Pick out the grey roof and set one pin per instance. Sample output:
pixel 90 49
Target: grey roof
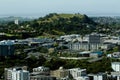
pixel 115 62
pixel 6 42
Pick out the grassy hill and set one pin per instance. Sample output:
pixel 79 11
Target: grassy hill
pixel 60 24
pixel 51 25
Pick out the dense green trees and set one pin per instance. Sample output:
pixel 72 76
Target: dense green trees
pixel 58 24
pixel 95 67
pixel 54 63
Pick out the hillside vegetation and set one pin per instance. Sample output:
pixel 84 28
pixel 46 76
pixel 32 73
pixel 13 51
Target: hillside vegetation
pixel 51 25
pixel 59 24
pixel 54 24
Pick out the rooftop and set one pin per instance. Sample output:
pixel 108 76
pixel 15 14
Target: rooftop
pixel 7 42
pixel 115 62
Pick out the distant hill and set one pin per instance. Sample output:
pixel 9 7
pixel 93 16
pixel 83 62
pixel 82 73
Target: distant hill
pixel 110 24
pixel 59 24
pixel 106 20
pixel 12 18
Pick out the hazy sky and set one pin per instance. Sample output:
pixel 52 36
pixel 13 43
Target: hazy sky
pixel 100 7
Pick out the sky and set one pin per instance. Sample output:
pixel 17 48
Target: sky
pixel 43 7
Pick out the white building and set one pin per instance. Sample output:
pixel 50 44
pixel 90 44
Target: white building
pixel 16 74
pixel 20 75
pixel 42 70
pixel 116 66
pixel 99 76
pixel 16 21
pixel 82 78
pixel 70 37
pixel 115 75
pixel 77 72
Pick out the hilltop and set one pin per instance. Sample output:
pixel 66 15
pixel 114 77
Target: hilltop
pixel 60 24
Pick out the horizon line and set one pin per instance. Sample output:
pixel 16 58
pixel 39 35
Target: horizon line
pixel 37 15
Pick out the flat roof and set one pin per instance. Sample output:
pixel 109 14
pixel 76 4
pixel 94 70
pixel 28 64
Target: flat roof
pixel 115 62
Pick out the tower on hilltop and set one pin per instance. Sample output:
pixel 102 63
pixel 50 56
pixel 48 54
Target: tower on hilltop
pixel 16 21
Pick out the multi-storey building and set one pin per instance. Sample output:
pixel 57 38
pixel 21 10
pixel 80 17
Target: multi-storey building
pixel 70 74
pixel 20 75
pixel 16 74
pixel 77 72
pixel 6 48
pixel 90 42
pixel 115 66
